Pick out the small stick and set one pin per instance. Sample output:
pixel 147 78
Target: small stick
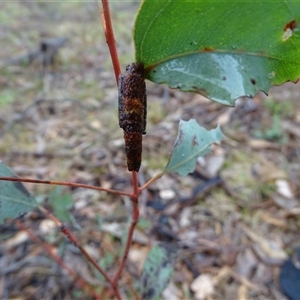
pixel 135 218
pixel 47 247
pixel 156 177
pixel 64 183
pixel 136 190
pixel 134 221
pixel 73 239
pixel 110 39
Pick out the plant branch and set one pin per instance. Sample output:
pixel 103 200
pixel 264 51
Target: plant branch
pixel 156 177
pixel 135 182
pixel 64 183
pixel 110 39
pixel 48 248
pixel 134 221
pixel 73 239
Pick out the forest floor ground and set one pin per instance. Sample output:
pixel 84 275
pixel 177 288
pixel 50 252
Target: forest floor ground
pixel 235 220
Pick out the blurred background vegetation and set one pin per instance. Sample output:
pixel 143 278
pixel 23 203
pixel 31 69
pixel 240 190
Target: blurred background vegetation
pixel 59 121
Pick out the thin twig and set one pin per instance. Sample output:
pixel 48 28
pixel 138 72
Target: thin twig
pixel 135 182
pixel 73 239
pixel 156 177
pixel 110 39
pixel 134 221
pixel 47 247
pixel 64 183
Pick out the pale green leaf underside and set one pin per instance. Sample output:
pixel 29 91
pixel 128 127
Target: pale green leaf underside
pixel 61 203
pixel 14 198
pixel 157 271
pixel 222 49
pixel 192 142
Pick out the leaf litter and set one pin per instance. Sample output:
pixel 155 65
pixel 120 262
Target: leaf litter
pixel 222 216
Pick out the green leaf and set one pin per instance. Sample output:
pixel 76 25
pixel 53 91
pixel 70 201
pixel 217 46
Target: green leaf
pixel 157 271
pixel 15 200
pixel 61 204
pixel 221 49
pixel 192 142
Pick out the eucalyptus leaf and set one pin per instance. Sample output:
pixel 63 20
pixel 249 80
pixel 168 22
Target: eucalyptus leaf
pixel 61 202
pixel 221 49
pixel 15 200
pixel 157 271
pixel 192 142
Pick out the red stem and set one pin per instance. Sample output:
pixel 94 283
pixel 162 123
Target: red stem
pixel 135 218
pixel 135 182
pixel 65 183
pixel 73 239
pixel 80 282
pixel 134 221
pixel 156 177
pixel 110 39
